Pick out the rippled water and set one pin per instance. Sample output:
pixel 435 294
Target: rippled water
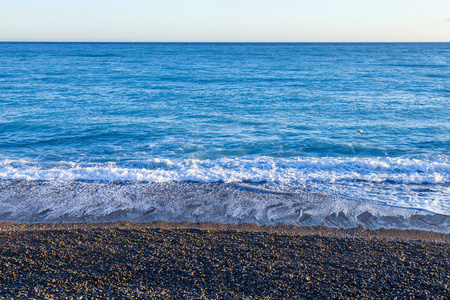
pixel 282 117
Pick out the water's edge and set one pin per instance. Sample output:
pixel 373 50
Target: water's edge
pixel 78 201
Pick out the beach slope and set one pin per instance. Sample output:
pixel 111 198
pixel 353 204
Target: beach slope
pixel 214 261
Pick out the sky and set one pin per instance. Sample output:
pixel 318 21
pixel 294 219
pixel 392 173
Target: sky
pixel 225 20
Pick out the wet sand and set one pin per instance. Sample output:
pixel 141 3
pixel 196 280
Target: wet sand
pixel 163 260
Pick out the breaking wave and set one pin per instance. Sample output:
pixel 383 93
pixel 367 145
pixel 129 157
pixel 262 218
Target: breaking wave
pixel 260 169
pixel 392 182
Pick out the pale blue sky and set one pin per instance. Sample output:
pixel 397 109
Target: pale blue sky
pixel 227 21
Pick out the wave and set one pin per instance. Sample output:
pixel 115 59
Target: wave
pixel 403 193
pixel 62 201
pixel 257 169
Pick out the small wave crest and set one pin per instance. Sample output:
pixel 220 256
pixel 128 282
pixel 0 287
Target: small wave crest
pixel 396 182
pixel 259 169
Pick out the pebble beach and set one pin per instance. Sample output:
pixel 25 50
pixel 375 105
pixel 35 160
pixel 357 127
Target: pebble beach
pixel 161 260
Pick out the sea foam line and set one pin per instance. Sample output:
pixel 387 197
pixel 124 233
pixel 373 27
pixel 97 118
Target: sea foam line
pixel 258 169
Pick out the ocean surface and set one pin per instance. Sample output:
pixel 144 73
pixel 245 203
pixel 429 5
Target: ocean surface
pixel 226 132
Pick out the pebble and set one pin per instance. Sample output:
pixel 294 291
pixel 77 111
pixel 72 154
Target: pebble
pixel 134 262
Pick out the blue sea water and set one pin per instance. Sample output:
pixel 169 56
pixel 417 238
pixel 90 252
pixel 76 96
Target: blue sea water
pixel 280 117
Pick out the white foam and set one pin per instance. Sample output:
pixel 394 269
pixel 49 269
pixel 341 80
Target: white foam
pixel 259 169
pixel 406 182
pixel 62 201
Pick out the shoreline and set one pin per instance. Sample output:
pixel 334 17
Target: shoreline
pixel 76 202
pixel 161 260
pixel 286 229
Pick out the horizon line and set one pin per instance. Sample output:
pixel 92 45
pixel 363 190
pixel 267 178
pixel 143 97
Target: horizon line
pixel 225 42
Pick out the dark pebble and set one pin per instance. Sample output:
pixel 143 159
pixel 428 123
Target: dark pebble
pixel 159 261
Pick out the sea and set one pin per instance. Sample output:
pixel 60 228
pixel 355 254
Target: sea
pixel 334 134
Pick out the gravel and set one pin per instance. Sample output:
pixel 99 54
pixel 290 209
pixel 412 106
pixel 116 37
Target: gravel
pixel 215 261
